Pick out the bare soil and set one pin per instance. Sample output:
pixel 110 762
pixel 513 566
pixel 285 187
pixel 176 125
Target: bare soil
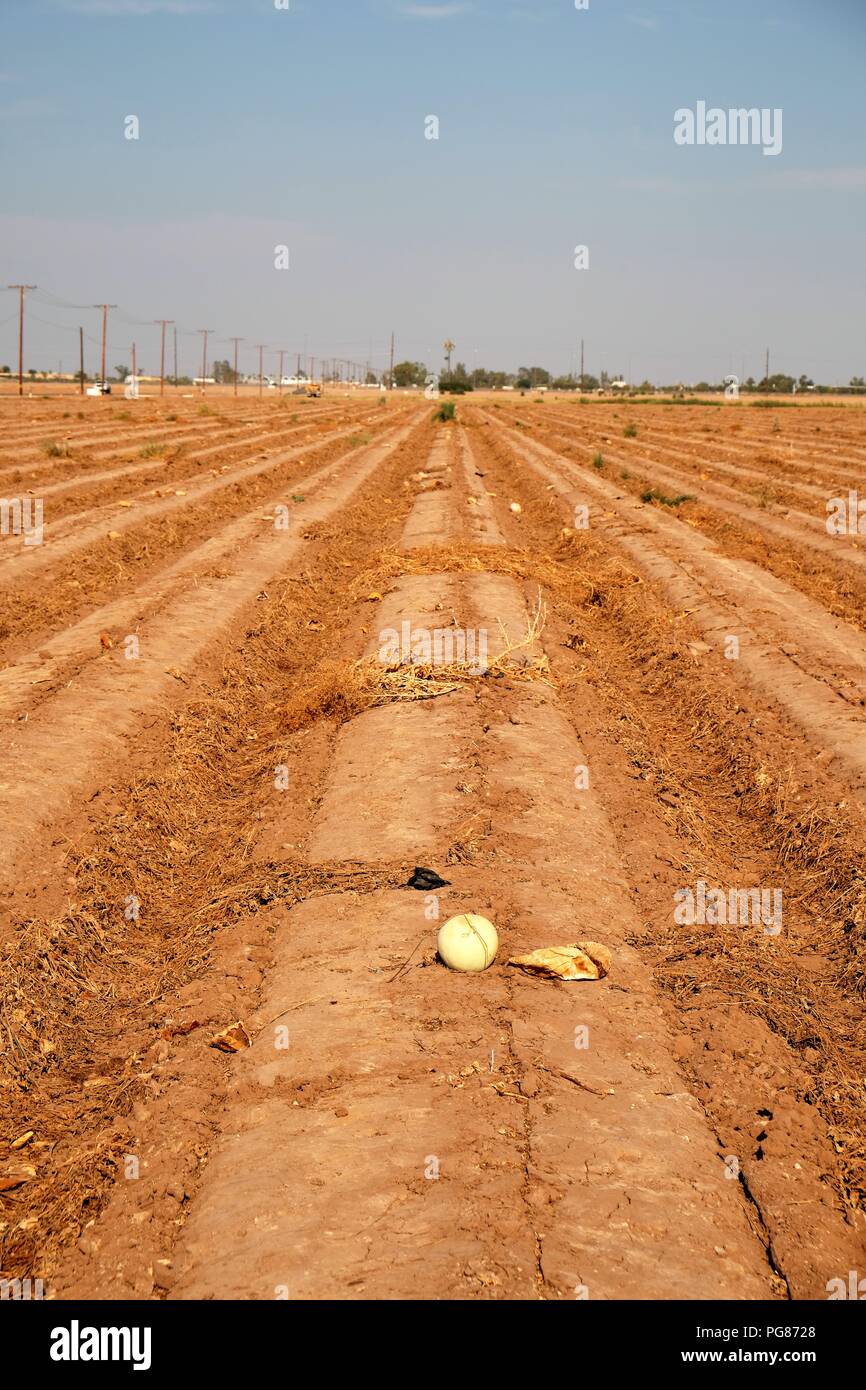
pixel 222 827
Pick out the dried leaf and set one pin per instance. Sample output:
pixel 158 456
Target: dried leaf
pixel 586 960
pixel 233 1039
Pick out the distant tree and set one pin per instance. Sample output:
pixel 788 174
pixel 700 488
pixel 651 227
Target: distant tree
pixel 539 376
pixel 457 381
pixel 448 347
pixel 223 372
pixel 777 382
pixel 858 382
pixel 410 374
pixel 371 378
pixel 121 372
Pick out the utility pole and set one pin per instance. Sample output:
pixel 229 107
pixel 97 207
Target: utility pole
pixel 105 308
pixel 205 332
pixel 175 356
pixel 81 359
pixel 163 323
pixel 133 362
pixel 298 372
pixel 22 290
pixel 767 367
pixel 581 363
pixel 391 373
pixel 312 369
pixel 282 355
pixel 261 347
pixel 236 341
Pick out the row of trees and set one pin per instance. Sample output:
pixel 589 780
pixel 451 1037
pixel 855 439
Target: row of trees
pixel 531 378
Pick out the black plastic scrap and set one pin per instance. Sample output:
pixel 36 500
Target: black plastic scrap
pixel 426 879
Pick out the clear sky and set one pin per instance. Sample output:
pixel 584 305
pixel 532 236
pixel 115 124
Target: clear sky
pixel 305 127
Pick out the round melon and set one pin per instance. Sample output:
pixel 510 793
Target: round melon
pixel 468 942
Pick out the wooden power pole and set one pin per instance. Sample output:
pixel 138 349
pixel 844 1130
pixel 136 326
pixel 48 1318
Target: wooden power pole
pixel 105 308
pixel 261 348
pixel 236 341
pixel 22 290
pixel 162 323
pixel 205 332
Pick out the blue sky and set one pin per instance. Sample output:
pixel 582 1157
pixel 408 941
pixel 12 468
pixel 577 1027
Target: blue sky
pixel 305 127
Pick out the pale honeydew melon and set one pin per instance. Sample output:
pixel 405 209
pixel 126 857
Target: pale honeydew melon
pixel 468 942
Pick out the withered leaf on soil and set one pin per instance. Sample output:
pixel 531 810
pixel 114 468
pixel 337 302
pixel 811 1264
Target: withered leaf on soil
pixel 233 1039
pixel 583 960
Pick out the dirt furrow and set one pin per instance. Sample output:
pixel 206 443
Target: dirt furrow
pixel 819 677
pixel 71 738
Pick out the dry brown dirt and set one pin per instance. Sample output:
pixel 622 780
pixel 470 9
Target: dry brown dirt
pixel 221 826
